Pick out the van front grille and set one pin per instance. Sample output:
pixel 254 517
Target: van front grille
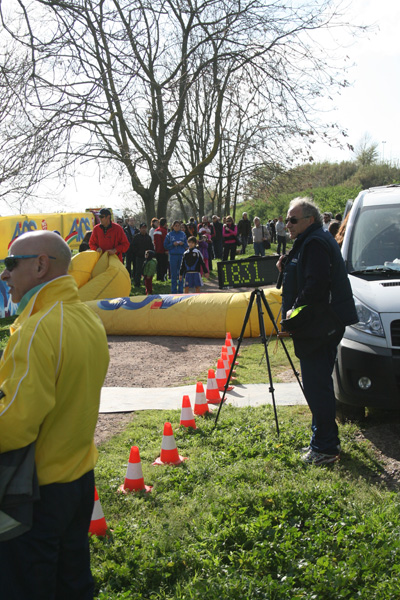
pixel 395 332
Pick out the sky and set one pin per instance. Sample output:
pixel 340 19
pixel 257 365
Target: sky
pixel 369 106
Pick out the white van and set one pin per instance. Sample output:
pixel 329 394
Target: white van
pixel 367 370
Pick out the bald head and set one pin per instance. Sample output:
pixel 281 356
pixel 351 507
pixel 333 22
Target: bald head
pixel 47 243
pixel 41 256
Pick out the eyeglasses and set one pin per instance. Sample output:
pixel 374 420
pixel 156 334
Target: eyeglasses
pixel 11 261
pixel 294 220
pixel 103 216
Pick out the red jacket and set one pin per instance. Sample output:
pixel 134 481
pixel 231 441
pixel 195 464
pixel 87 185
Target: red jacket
pixel 107 239
pixel 158 241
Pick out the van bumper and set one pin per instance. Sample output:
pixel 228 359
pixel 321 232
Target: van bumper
pixel 380 365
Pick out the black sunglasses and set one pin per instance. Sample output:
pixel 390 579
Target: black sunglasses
pixel 11 261
pixel 294 220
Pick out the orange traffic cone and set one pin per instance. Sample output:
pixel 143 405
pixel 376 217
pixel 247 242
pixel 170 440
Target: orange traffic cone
pixel 221 377
pixel 231 350
pixel 212 392
pixel 200 404
pixel 187 418
pixel 169 452
pixel 134 481
pixel 225 358
pixel 229 337
pixel 98 525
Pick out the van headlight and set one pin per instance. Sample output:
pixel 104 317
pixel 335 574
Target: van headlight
pixel 369 320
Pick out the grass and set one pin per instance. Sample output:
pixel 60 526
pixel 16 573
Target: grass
pixel 243 518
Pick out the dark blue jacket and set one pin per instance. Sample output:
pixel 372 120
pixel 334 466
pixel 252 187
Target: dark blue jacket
pixel 315 272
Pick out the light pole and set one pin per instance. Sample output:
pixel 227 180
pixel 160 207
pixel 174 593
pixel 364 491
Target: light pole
pixel 383 150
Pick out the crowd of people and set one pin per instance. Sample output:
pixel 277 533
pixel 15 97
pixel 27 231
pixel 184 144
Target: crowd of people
pixel 184 251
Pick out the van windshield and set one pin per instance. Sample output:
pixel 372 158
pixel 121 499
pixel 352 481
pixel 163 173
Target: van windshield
pixel 375 240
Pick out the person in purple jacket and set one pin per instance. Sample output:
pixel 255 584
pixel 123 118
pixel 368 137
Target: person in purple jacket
pixel 229 236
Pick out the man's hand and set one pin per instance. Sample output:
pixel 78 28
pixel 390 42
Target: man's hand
pixel 207 275
pixel 99 250
pixel 112 251
pixel 180 277
pixel 279 263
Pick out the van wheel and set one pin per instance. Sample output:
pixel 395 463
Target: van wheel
pixel 348 412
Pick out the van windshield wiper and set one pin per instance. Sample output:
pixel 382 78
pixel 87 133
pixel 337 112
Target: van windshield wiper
pixel 376 269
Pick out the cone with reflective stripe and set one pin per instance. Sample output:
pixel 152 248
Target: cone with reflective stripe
pixel 98 525
pixel 200 404
pixel 212 393
pixel 225 359
pixel 169 452
pixel 230 350
pixel 221 377
pixel 187 417
pixel 134 481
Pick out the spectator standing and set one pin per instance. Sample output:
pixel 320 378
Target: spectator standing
pixel 149 270
pixel 203 247
pixel 192 228
pixel 185 229
pixel 176 244
pixel 327 217
pixel 315 274
pixel 155 223
pixel 217 239
pixel 244 231
pixel 229 234
pixel 51 374
pixel 130 232
pixel 209 227
pixel 260 234
pixel 272 230
pixel 161 253
pixel 140 243
pixel 280 229
pixel 108 237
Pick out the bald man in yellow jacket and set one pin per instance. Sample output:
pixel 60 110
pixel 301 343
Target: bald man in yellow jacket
pixel 51 374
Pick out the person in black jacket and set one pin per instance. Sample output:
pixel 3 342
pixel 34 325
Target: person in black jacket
pixel 244 231
pixel 217 239
pixel 130 232
pixel 140 243
pixel 314 275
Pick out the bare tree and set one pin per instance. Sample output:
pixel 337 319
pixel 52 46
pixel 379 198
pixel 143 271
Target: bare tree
pixel 111 78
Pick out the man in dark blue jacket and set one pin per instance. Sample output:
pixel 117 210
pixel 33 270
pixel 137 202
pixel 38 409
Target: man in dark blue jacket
pixel 315 276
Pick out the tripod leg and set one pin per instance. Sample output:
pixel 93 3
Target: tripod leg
pixel 264 341
pixel 271 316
pixel 240 338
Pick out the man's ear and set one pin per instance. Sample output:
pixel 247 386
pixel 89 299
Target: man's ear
pixel 43 265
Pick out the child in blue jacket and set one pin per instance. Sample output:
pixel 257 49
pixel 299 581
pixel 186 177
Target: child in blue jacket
pixel 176 244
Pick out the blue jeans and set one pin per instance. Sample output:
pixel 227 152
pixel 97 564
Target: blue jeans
pixel 316 372
pixel 259 249
pixel 175 261
pixel 52 560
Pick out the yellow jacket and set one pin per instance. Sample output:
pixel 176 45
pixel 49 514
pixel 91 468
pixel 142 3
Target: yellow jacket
pixel 51 374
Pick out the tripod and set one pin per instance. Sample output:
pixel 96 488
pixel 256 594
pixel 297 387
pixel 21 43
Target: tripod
pixel 259 295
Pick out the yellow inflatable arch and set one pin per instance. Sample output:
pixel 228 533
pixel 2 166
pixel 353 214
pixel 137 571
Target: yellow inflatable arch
pixel 208 315
pixel 99 276
pixel 104 284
